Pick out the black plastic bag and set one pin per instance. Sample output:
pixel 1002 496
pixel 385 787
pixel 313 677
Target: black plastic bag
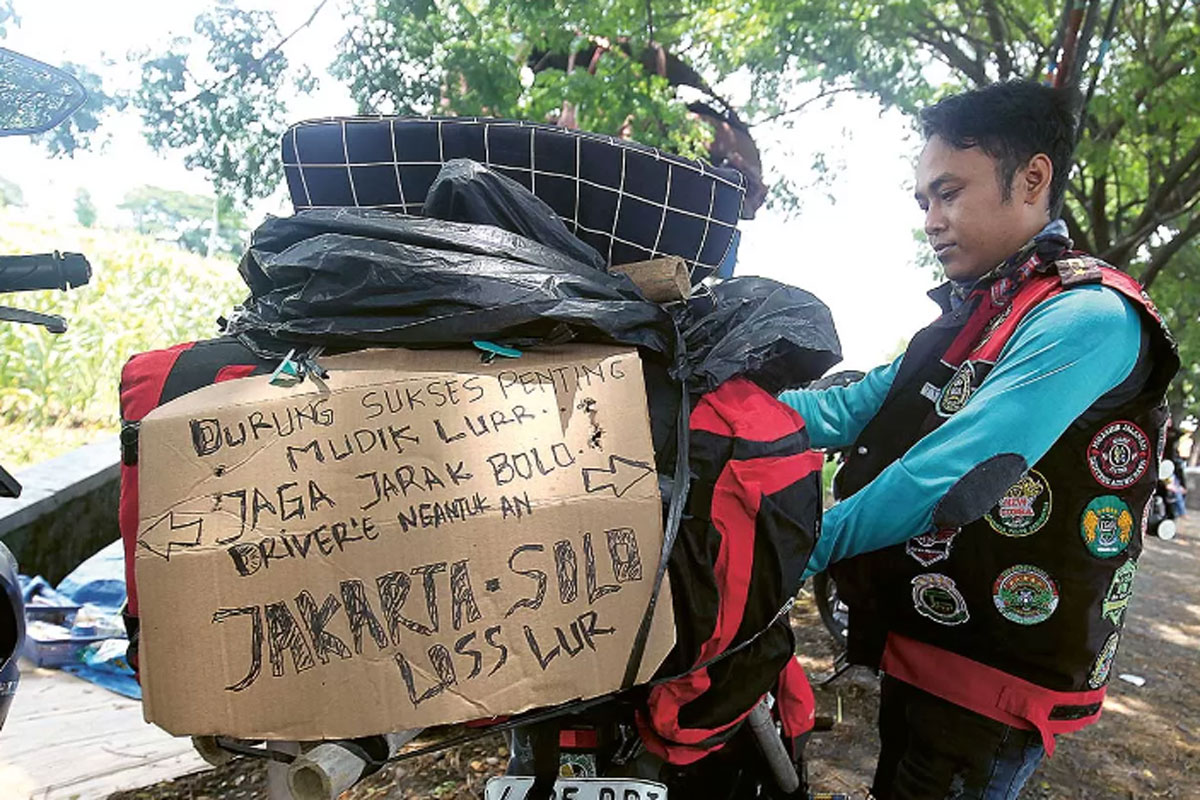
pixel 467 191
pixel 348 278
pixel 776 335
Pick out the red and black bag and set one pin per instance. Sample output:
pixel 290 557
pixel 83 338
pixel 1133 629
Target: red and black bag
pixel 753 516
pixel 147 381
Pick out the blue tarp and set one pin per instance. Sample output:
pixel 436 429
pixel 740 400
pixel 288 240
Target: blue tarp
pixel 99 581
pixel 98 587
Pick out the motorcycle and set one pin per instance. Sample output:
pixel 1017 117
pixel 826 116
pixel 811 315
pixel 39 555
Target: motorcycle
pixel 34 98
pixel 588 750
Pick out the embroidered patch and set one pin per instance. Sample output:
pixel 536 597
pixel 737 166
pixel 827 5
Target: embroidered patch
pixel 994 323
pixel 1074 271
pixel 1119 592
pixel 1106 526
pixel 1119 455
pixel 1024 508
pixel 957 391
pixel 1102 666
pixel 937 598
pixel 931 392
pixel 1025 595
pixel 929 548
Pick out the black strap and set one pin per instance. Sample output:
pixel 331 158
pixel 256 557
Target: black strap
pixel 543 740
pixel 373 750
pixel 1066 712
pixel 683 479
pixel 129 443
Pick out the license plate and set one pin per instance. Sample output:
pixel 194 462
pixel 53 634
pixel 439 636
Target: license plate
pixel 512 788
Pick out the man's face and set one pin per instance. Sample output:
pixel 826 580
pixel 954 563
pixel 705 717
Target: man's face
pixel 967 221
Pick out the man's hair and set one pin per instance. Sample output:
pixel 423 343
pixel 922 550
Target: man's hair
pixel 1011 122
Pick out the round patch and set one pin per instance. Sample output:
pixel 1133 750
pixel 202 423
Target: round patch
pixel 1116 599
pixel 957 391
pixel 1024 508
pixel 937 598
pixel 1106 526
pixel 1102 666
pixel 1119 455
pixel 1025 595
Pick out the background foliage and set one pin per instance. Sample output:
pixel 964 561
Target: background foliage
pixel 143 295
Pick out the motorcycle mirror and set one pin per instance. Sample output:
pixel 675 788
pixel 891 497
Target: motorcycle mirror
pixel 1165 470
pixel 35 97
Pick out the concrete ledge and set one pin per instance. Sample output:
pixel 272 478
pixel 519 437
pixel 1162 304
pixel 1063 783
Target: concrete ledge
pixel 67 510
pixel 52 484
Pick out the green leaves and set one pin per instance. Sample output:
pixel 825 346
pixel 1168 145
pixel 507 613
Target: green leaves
pixel 536 60
pixel 82 130
pixel 216 99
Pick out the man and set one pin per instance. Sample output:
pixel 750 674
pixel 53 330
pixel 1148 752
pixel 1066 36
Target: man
pixel 999 472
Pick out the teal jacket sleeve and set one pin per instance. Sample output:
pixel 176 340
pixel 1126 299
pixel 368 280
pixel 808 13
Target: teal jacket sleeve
pixel 834 417
pixel 1068 352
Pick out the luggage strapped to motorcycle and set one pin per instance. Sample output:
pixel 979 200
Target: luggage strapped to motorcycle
pixel 540 717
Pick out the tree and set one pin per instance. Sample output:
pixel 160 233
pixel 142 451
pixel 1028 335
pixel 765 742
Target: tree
pixel 81 131
pixel 613 68
pixel 541 61
pixel 1134 195
pixel 77 132
pixel 1132 198
pixel 1175 292
pixel 185 219
pixel 221 107
pixel 85 209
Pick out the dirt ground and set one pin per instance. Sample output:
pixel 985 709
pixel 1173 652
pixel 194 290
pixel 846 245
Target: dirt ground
pixel 1147 744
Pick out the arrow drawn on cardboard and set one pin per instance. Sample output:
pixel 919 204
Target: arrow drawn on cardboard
pixel 171 532
pixel 620 476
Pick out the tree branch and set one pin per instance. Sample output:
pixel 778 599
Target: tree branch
pixel 1164 254
pixel 954 57
pixel 796 109
pixel 1027 31
pixel 1098 210
pixel 1154 214
pixel 995 25
pixel 1166 22
pixel 274 50
pixel 1076 231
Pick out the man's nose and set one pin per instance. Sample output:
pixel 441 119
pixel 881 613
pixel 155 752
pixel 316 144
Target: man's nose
pixel 935 222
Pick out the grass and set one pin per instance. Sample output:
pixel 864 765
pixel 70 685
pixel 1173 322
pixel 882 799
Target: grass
pixel 58 392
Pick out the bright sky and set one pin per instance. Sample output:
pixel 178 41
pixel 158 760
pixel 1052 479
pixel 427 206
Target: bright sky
pixel 855 253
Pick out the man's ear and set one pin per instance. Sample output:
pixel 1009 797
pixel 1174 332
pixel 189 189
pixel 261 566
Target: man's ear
pixel 1033 182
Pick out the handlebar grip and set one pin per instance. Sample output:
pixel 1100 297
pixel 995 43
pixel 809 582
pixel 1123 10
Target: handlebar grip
pixel 44 271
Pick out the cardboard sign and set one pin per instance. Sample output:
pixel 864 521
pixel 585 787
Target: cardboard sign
pixel 419 539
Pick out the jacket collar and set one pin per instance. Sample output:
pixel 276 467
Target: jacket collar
pixel 1050 241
